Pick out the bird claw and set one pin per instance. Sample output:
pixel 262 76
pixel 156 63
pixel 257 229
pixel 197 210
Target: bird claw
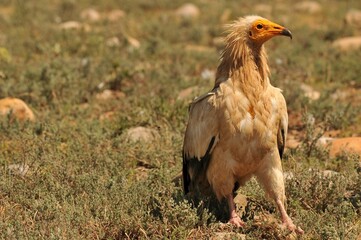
pixel 292 227
pixel 299 231
pixel 236 221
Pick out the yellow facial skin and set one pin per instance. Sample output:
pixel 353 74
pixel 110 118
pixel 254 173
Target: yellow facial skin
pixel 263 30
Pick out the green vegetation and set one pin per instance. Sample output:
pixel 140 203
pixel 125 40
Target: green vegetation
pixel 86 180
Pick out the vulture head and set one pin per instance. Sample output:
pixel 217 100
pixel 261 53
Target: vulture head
pixel 244 41
pixel 255 30
pixel 260 30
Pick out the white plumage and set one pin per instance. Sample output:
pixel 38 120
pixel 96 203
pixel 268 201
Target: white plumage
pixel 238 129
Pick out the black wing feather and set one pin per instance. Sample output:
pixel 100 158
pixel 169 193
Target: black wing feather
pixel 198 167
pixel 281 141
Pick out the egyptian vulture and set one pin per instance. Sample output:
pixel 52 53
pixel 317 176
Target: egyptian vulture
pixel 238 129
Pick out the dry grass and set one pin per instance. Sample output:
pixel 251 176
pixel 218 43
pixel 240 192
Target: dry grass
pixel 87 181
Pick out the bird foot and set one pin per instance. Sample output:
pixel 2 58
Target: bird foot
pixel 288 224
pixel 236 221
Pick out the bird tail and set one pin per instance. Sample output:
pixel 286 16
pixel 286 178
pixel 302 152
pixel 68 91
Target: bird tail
pixel 198 168
pixel 186 176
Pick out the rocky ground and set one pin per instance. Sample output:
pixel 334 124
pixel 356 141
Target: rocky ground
pixel 93 107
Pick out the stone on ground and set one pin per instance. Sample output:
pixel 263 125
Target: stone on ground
pixel 17 108
pixel 308 7
pixel 109 94
pixel 18 169
pixel 353 17
pixel 347 43
pixel 90 15
pixel 141 134
pixel 188 11
pixel 347 145
pixel 115 15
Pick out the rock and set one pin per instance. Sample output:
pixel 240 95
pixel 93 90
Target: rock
pixel 294 139
pixel 353 17
pixel 115 15
pixel 198 48
pixel 134 43
pixel 347 43
pixel 107 116
pixel 241 202
pixel 74 25
pixel 188 11
pixel 90 15
pixel 348 145
pixel 16 108
pixel 292 142
pixel 341 95
pixel 70 25
pixel 19 169
pixel 288 176
pixel 141 134
pixel 279 61
pixel 228 236
pixel 310 92
pixel 311 7
pixel 112 42
pixel 109 94
pixel 6 11
pixel 188 93
pixel 325 141
pixel 351 95
pixel 207 74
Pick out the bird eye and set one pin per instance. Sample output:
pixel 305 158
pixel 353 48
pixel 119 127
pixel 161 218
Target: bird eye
pixel 259 26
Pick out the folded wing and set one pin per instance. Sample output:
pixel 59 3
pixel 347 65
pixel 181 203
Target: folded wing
pixel 200 138
pixel 282 128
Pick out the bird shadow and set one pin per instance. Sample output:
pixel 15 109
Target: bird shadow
pixel 207 206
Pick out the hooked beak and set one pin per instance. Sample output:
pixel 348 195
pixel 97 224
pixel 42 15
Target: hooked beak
pixel 286 32
pixel 274 29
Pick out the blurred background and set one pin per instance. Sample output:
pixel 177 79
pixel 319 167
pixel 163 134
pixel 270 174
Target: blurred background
pixel 93 106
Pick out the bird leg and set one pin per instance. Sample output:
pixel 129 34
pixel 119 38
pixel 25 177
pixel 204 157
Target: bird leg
pixel 271 178
pixel 233 216
pixel 286 220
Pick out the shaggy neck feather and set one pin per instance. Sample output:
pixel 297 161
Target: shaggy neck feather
pixel 243 61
